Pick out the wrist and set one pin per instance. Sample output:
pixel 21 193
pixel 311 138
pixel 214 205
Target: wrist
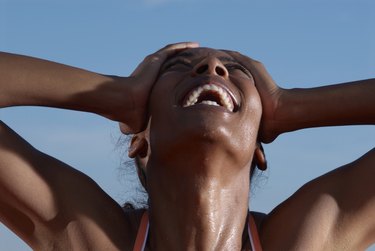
pixel 132 103
pixel 282 113
pixel 119 99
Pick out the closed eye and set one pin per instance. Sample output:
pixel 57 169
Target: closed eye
pixel 231 67
pixel 178 62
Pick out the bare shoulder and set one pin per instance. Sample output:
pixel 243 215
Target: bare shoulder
pixel 52 206
pixel 332 212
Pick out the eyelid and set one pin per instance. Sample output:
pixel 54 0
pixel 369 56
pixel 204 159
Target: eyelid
pixel 179 61
pixel 238 66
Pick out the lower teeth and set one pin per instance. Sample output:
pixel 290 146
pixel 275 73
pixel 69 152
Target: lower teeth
pixel 208 102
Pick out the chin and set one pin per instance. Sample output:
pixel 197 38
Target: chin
pixel 199 140
pixel 201 131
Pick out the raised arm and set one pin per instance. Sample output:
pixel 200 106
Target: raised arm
pixel 37 82
pixel 286 110
pixel 334 211
pixel 333 105
pixel 31 81
pixel 45 202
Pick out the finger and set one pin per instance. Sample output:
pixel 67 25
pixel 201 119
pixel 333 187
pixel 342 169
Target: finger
pixel 131 129
pixel 246 61
pixel 261 77
pixel 125 129
pixel 172 49
pixel 152 63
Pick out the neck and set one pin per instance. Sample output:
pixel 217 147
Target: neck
pixel 204 207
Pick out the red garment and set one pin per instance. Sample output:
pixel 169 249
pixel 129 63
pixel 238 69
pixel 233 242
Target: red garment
pixel 140 242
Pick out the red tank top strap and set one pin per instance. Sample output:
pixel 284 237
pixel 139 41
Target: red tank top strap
pixel 253 234
pixel 140 242
pixel 141 239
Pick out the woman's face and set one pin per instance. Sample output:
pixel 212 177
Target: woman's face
pixel 204 99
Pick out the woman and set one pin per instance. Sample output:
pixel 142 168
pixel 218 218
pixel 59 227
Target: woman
pixel 199 115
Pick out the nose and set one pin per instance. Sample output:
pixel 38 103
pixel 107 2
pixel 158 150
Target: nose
pixel 210 65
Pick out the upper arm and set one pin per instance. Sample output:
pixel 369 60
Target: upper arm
pixel 355 196
pixel 332 212
pixel 24 186
pixel 38 192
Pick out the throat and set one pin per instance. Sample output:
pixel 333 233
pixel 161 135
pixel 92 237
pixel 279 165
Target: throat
pixel 197 212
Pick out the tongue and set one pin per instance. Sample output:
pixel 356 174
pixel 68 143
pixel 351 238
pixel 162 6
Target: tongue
pixel 209 98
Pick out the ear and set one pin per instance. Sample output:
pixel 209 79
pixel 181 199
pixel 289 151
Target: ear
pixel 260 158
pixel 138 146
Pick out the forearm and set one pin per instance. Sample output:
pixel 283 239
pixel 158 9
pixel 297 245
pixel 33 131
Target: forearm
pixel 342 104
pixel 30 81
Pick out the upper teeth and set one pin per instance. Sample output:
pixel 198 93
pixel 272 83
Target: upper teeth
pixel 194 95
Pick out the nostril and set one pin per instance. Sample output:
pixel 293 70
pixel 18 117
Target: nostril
pixel 202 69
pixel 220 71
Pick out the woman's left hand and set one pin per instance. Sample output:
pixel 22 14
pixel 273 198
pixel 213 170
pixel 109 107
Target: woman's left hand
pixel 269 92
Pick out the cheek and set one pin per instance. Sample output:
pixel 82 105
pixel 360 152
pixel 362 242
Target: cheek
pixel 162 91
pixel 160 106
pixel 158 94
pixel 251 117
pixel 255 105
pixel 254 112
pixel 252 104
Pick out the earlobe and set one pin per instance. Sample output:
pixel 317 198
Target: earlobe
pixel 138 147
pixel 260 159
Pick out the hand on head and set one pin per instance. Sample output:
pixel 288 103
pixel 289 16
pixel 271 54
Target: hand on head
pixel 142 80
pixel 145 75
pixel 269 92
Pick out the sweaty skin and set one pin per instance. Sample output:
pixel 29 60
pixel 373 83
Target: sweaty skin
pixel 196 156
pixel 216 177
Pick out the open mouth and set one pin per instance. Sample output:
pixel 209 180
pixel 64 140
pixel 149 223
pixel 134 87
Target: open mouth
pixel 210 94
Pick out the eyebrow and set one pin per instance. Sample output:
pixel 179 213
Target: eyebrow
pixel 228 59
pixel 179 58
pixel 183 54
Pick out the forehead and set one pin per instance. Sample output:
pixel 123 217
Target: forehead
pixel 200 53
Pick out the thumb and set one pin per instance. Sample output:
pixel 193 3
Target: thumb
pixel 151 65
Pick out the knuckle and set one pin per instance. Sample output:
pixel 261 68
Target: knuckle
pixel 258 63
pixel 167 48
pixel 153 58
pixel 170 46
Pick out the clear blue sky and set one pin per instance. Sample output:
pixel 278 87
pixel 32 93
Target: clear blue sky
pixel 302 43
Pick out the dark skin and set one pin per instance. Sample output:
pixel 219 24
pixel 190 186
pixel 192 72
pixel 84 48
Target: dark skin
pixel 191 202
pixel 174 132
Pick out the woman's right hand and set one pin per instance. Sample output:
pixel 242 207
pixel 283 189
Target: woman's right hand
pixel 140 83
